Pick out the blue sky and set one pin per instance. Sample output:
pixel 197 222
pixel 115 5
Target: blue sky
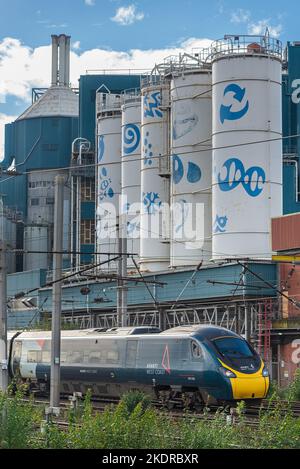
pixel 164 22
pixel 119 34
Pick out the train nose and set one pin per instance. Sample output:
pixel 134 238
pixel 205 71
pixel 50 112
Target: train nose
pixel 250 387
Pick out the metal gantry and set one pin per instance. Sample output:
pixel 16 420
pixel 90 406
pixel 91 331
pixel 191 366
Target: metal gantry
pixel 229 315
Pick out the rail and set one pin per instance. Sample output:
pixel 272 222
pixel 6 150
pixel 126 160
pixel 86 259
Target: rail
pixel 246 45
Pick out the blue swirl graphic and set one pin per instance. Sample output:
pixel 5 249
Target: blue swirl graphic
pixel 131 138
pixel 238 95
pixel 251 180
pixel 101 147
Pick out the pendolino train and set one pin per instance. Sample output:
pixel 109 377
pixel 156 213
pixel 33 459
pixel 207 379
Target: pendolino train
pixel 198 365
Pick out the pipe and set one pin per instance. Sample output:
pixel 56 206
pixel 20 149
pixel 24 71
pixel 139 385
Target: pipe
pixel 62 60
pixel 54 60
pixel 67 61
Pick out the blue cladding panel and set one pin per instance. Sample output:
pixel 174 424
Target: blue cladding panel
pixel 267 273
pixel 14 191
pixel 44 142
pixel 22 319
pixel 40 143
pixel 290 126
pixel 87 258
pixel 87 210
pixel 290 203
pixel 23 281
pixel 197 290
pixel 88 84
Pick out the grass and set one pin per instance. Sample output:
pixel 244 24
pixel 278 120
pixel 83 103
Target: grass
pixel 134 423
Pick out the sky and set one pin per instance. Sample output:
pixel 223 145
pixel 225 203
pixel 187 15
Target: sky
pixel 110 34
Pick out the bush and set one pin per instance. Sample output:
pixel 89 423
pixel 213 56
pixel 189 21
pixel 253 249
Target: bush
pixel 135 424
pixel 18 421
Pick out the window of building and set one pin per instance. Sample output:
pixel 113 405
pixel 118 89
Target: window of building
pixel 87 189
pixel 34 202
pixel 87 232
pixel 49 200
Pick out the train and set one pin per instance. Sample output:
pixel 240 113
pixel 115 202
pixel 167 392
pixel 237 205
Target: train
pixel 196 365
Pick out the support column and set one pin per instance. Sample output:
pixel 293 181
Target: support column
pixel 57 293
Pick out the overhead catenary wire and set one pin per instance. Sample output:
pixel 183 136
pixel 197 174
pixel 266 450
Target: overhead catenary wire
pixel 95 165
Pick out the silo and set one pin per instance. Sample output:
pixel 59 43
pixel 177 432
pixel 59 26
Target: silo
pixel 247 155
pixel 108 187
pixel 130 169
pixel 191 166
pixel 155 185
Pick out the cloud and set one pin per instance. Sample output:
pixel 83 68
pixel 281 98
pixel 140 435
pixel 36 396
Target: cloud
pixel 260 27
pixel 22 68
pixel 240 16
pixel 89 3
pixel 76 45
pixel 126 16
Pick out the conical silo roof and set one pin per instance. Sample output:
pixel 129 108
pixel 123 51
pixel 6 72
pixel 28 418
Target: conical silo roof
pixel 57 101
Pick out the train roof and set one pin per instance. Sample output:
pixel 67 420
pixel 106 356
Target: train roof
pixel 97 332
pixel 200 331
pixel 203 331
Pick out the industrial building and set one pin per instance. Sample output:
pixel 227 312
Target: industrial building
pixel 184 167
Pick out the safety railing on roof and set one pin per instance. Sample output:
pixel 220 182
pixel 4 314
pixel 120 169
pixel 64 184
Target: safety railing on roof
pixel 246 45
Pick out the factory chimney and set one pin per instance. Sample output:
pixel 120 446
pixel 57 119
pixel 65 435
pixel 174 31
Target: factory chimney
pixel 60 60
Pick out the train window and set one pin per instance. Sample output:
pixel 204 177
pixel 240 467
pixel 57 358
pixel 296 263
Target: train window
pixel 95 357
pixel 112 356
pixel 232 347
pixel 46 356
pixel 33 356
pixel 75 357
pixel 196 350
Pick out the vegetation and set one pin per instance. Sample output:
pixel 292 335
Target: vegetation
pixel 290 393
pixel 134 423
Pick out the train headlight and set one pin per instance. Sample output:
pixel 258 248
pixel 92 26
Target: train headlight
pixel 227 373
pixel 265 372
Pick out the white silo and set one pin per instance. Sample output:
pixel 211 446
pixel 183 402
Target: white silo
pixel 247 164
pixel 155 183
pixel 108 187
pixel 191 165
pixel 130 169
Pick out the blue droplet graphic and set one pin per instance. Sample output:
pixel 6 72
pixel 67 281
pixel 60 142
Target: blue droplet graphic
pixel 194 173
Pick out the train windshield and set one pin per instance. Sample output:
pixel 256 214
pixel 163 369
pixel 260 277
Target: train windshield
pixel 231 347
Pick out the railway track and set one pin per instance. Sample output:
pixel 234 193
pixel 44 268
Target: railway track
pixel 250 413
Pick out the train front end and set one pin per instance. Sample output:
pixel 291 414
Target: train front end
pixel 242 368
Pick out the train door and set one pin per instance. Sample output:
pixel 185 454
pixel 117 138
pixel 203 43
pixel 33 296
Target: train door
pixel 131 353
